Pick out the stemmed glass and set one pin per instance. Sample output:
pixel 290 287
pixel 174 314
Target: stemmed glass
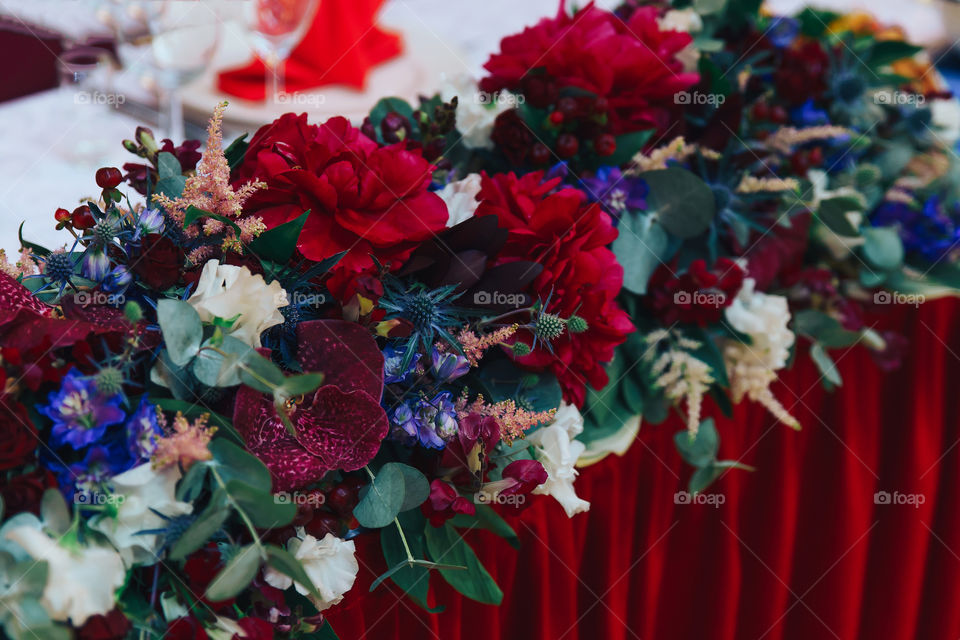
pixel 184 37
pixel 276 26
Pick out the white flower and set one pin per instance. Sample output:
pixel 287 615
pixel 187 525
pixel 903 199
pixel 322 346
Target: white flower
pixel 945 115
pixel 227 291
pixel 688 21
pixel 764 318
pixel 80 581
pixel 476 111
pixel 330 563
pixel 557 451
pixel 140 492
pixel 461 198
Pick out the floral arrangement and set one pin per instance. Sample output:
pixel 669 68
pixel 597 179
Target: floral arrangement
pixel 245 358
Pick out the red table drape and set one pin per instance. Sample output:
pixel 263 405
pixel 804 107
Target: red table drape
pixel 800 549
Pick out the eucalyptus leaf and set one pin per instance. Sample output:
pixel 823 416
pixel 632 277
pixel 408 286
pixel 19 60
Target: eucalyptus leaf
pixel 825 364
pixel 383 499
pixel 260 506
pixel 447 546
pixel 641 247
pixel 883 248
pixel 236 575
pixel 700 451
pixel 203 528
pixel 182 329
pixel 684 204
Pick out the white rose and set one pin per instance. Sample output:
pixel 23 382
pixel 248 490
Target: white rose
pixel 81 582
pixel 227 291
pixel 141 491
pixel 461 198
pixel 765 318
pixel 558 452
pixel 330 563
pixel 476 111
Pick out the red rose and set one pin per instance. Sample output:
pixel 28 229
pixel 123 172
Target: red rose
pixel 16 432
pixel 159 262
pixel 364 199
pixel 24 493
pixel 580 276
pixel 113 626
pixel 631 62
pixel 697 296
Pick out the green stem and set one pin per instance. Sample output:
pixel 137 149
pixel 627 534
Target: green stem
pixel 396 521
pixel 243 515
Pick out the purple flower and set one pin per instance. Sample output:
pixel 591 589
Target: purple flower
pixel 96 264
pixel 151 221
pixel 143 431
pixel 429 422
pixel 79 412
pixel 89 477
pixel 117 280
pixel 392 359
pixel 931 231
pixel 448 366
pixel 783 31
pixel 615 192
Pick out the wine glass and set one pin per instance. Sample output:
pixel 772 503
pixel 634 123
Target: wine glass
pixel 184 37
pixel 276 27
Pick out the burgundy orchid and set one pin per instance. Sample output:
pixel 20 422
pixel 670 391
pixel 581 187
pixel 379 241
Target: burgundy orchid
pixel 340 426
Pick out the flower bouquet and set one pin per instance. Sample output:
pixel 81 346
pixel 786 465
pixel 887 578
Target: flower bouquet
pixel 243 359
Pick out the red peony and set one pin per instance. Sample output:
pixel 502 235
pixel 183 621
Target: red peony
pixel 363 198
pixel 580 276
pixel 340 426
pixel 698 296
pixel 631 63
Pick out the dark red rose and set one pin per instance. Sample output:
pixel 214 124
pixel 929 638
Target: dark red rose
pixel 569 239
pixel 697 296
pixel 17 433
pixel 512 136
pixel 339 426
pixel 113 626
pixel 186 628
pixel 364 199
pixel 24 493
pixel 159 262
pixel 629 62
pixel 254 629
pixel 444 503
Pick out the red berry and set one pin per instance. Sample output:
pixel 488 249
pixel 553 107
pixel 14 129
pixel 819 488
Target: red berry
pixel 109 177
pixel 567 145
pixel 778 114
pixel 81 218
pixel 601 105
pixel 556 117
pixel 61 215
pixel 341 499
pixel 761 111
pixel 605 144
pixel 322 524
pixel 540 154
pixel 568 106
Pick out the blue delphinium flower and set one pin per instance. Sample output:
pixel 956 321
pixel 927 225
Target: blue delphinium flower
pixel 150 221
pixel 783 31
pixel 807 115
pixel 930 231
pixel 143 431
pixel 392 361
pixel 615 192
pixel 117 280
pixel 79 412
pixel 89 477
pixel 429 422
pixel 448 366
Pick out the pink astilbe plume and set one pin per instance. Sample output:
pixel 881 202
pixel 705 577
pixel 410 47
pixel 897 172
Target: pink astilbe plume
pixel 185 442
pixel 209 189
pixel 514 421
pixel 474 346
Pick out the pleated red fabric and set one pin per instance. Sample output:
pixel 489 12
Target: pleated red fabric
pixel 847 529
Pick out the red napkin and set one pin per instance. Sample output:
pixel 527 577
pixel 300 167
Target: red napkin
pixel 341 47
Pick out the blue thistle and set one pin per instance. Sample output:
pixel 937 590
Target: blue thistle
pixel 430 311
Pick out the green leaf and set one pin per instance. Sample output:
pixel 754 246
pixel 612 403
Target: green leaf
pixel 824 329
pixel 236 150
pixel 235 577
pixel 54 512
pixel 259 373
pixel 447 546
pixel 684 204
pixel 825 364
pixel 284 562
pixel 415 579
pixel 170 179
pixel 416 487
pixel 299 385
pixel 710 354
pixel 203 528
pixel 383 498
pixel 182 329
pixel 628 145
pixel 232 462
pixel 260 506
pixel 326 632
pixel 641 246
pixel 487 518
pixel 216 370
pixel 278 244
pixel 833 213
pixel 707 7
pixel 36 249
pixel 883 248
pixel 191 484
pixel 885 52
pixel 702 450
